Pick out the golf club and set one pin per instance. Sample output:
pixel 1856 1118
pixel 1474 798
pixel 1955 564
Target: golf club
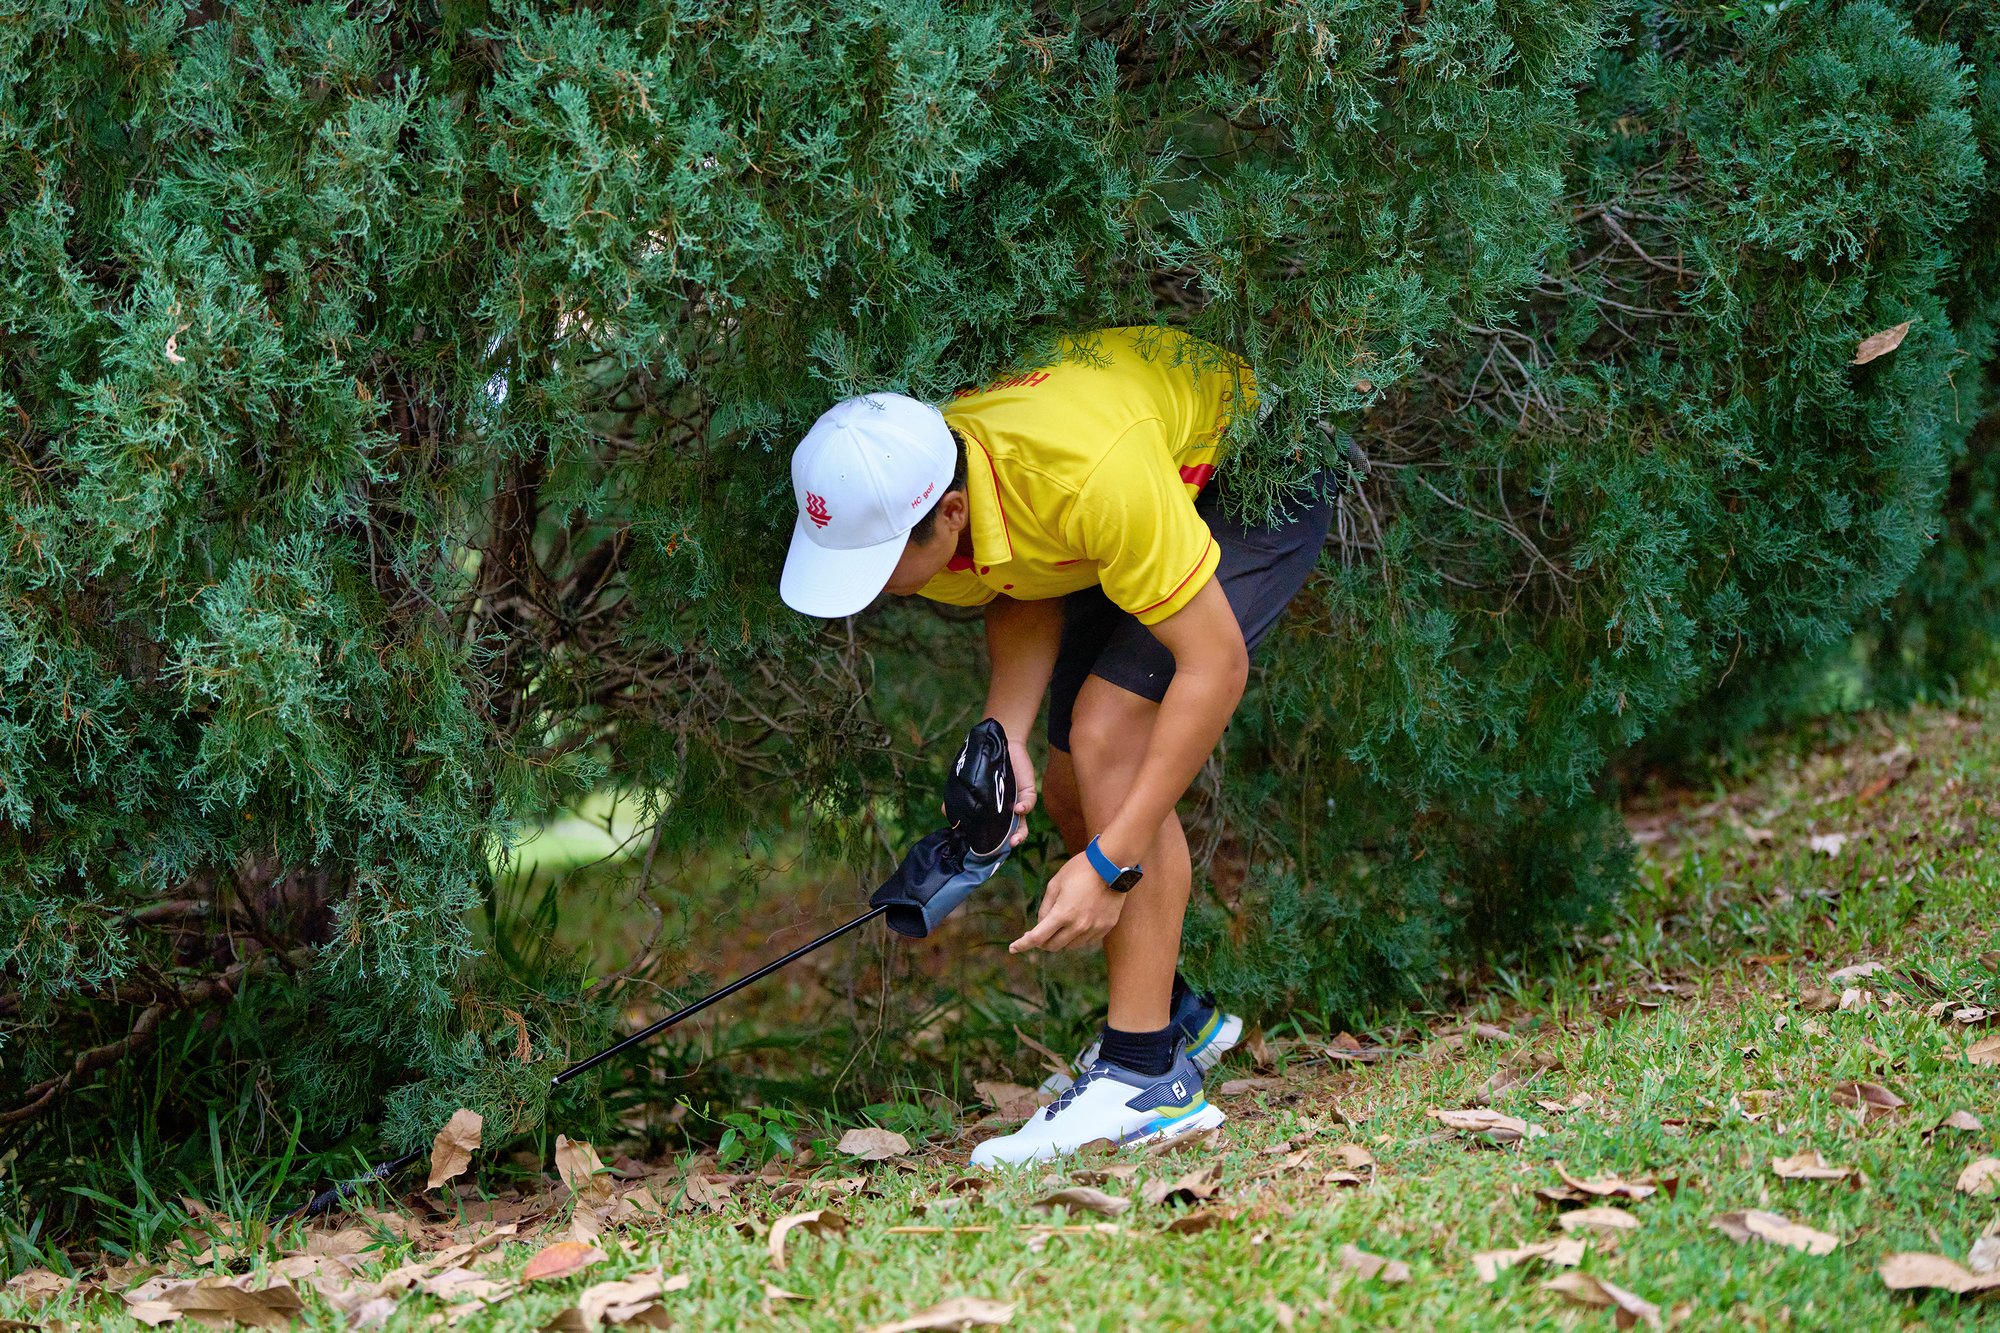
pixel 938 874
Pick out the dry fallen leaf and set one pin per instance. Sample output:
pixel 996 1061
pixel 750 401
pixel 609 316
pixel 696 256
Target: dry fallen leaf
pixel 222 1299
pixel 1809 1165
pixel 1346 1046
pixel 957 1314
pixel 1291 1161
pixel 1504 1080
pixel 1904 1272
pixel 1597 1219
pixel 1818 1000
pixel 1564 1253
pixel 1207 1140
pixel 818 1222
pixel 873 1145
pixel 1489 1125
pixel 1609 1186
pixel 1575 1103
pixel 578 1165
pixel 632 1300
pixel 586 1224
pixel 1097 1175
pixel 1872 1099
pixel 1195 1187
pixel 1828 844
pixel 1985 1051
pixel 452 1149
pixel 1881 344
pixel 1960 1120
pixel 1984 1256
pixel 1366 1266
pixel 1585 1289
pixel 1355 1157
pixel 561 1260
pixel 461 1284
pixel 1980 1177
pixel 1082 1198
pixel 1011 1101
pixel 1856 972
pixel 154 1313
pixel 334 1244
pixel 704 1191
pixel 1854 999
pixel 1775 1228
pixel 373 1312
pixel 36 1285
pixel 1196 1221
pixel 1237 1087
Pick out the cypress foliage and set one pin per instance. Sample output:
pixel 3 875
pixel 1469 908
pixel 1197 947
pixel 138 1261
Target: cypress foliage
pixel 1580 520
pixel 399 400
pixel 1940 631
pixel 1943 627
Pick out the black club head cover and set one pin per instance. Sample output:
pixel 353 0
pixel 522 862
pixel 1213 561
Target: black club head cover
pixel 938 874
pixel 979 794
pixel 943 869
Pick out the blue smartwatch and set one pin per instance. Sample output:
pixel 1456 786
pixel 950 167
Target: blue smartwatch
pixel 1117 878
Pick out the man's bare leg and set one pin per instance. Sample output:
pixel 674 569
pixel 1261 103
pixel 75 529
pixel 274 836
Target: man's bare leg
pixel 1108 737
pixel 1061 803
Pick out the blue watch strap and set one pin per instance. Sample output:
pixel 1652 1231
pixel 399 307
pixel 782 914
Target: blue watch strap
pixel 1106 868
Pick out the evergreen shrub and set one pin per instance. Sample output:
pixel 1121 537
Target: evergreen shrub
pixel 1939 633
pixel 398 400
pixel 1578 520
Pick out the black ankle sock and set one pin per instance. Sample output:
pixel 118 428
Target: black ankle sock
pixel 1149 1053
pixel 1181 989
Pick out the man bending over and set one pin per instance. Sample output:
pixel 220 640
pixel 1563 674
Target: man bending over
pixel 1081 506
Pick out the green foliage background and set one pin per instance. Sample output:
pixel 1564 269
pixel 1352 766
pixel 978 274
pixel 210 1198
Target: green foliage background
pixel 397 401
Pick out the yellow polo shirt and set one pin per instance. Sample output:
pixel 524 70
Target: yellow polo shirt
pixel 1085 472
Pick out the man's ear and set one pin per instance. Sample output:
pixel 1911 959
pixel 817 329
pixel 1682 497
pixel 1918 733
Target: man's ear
pixel 953 510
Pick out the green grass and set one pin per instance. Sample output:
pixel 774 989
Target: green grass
pixel 1669 1022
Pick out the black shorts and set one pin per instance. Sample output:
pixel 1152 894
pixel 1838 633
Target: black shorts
pixel 1262 569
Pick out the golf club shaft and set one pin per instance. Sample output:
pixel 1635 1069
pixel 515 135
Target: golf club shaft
pixel 323 1201
pixel 680 1015
pixel 339 1193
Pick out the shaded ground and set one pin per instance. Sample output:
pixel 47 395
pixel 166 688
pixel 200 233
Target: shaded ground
pixel 1721 1028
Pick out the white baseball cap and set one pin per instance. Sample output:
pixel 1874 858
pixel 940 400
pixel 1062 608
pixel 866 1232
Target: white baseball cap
pixel 869 468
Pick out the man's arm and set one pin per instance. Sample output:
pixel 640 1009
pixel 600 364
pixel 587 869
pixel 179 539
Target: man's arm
pixel 1022 639
pixel 1211 666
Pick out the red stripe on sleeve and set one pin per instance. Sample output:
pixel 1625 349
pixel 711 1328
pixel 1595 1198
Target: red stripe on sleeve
pixel 1183 583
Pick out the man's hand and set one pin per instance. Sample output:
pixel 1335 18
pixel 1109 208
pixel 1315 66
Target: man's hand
pixel 1077 909
pixel 1024 788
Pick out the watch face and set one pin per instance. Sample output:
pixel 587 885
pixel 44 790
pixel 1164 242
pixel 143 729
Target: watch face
pixel 1126 879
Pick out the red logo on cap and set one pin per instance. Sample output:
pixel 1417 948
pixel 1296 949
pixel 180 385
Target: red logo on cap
pixel 816 510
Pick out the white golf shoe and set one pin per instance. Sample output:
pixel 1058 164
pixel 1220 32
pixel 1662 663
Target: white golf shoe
pixel 1109 1102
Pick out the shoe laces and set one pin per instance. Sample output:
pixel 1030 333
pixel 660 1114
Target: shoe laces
pixel 1070 1093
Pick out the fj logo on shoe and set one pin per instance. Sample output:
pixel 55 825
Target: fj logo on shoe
pixel 1180 1088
